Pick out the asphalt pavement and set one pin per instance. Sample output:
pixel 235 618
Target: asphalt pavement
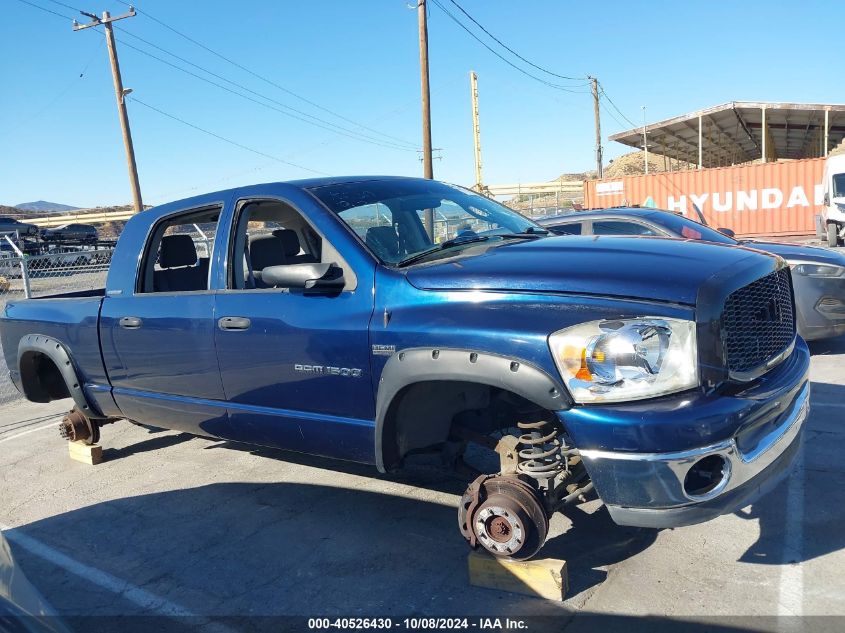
pixel 185 527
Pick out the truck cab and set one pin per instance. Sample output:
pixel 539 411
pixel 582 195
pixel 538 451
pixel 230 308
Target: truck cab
pixel 374 319
pixel 833 204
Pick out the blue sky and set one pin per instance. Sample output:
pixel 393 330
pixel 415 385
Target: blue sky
pixel 60 138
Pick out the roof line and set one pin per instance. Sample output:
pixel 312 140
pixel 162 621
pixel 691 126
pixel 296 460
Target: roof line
pixel 771 105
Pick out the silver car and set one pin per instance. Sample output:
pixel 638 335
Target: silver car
pixel 818 274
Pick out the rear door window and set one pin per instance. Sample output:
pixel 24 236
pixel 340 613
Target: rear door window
pixel 620 227
pixel 178 254
pixel 566 229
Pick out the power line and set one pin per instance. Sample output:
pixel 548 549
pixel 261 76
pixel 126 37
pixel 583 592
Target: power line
pixel 610 101
pixel 609 113
pixel 285 109
pixel 354 136
pixel 183 121
pixel 134 99
pixel 508 48
pixel 312 120
pixel 64 90
pixel 502 57
pixel 304 116
pixel 62 4
pixel 46 10
pixel 263 78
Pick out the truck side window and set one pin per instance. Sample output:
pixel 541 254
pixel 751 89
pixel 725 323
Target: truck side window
pixel 272 233
pixel 620 227
pixel 178 255
pixel 567 229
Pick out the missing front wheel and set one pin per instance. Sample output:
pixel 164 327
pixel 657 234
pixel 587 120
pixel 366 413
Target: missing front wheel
pixel 505 516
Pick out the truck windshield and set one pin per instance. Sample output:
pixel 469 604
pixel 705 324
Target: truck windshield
pixel 839 185
pixel 390 215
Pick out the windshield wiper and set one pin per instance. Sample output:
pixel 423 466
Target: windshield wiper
pixel 528 233
pixel 457 241
pixel 531 231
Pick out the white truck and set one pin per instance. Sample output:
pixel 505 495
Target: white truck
pixel 833 205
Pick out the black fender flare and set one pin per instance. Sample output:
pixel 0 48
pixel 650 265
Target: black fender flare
pixel 424 364
pixel 59 355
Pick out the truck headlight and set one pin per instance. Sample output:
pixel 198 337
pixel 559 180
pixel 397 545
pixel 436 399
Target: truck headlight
pixel 628 359
pixel 819 270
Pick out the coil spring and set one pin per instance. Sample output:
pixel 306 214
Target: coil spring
pixel 542 455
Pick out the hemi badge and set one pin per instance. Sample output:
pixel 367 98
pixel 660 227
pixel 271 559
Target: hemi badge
pixel 384 350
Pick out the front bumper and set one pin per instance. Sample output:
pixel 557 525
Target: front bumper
pixel 656 489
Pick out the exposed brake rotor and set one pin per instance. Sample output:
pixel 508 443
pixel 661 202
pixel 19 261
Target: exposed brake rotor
pixel 504 515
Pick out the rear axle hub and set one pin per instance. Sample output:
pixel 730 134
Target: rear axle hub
pixel 77 427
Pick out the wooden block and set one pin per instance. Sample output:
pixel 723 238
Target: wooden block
pixel 545 578
pixel 81 452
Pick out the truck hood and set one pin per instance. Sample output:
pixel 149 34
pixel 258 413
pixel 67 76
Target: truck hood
pixel 650 268
pixel 799 252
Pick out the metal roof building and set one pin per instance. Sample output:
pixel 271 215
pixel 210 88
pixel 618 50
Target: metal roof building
pixel 743 131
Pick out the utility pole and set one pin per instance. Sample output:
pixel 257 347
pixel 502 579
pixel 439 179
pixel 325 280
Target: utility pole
pixel 120 93
pixel 595 88
pixel 645 143
pixel 476 133
pixel 428 169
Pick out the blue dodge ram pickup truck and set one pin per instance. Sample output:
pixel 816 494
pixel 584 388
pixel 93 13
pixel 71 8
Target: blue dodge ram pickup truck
pixel 369 319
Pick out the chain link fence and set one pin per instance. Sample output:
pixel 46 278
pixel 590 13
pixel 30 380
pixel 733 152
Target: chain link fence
pixel 61 271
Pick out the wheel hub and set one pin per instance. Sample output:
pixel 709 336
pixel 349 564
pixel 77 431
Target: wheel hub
pixel 77 427
pixel 498 529
pixel 504 515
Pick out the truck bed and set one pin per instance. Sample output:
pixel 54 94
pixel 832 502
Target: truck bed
pixel 77 294
pixel 71 318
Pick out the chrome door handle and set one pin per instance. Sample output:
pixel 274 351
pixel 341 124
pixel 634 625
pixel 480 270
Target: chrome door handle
pixel 234 323
pixel 130 323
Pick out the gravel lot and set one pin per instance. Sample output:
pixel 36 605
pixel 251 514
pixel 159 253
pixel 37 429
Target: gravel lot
pixel 172 525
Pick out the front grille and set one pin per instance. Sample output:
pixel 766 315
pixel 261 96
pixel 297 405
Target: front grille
pixel 758 321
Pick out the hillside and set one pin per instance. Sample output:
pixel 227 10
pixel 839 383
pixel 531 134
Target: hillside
pixel 107 230
pixel 550 203
pixel 630 164
pixel 42 206
pixel 11 211
pixel 633 164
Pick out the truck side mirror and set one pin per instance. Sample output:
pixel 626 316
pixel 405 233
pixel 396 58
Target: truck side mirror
pixel 826 201
pixel 310 278
pixel 728 232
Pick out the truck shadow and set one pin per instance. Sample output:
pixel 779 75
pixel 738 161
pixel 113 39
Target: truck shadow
pixel 296 549
pixel 153 444
pixel 592 542
pixel 585 537
pixel 264 549
pixel 802 518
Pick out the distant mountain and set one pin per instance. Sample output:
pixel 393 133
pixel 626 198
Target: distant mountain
pixel 42 206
